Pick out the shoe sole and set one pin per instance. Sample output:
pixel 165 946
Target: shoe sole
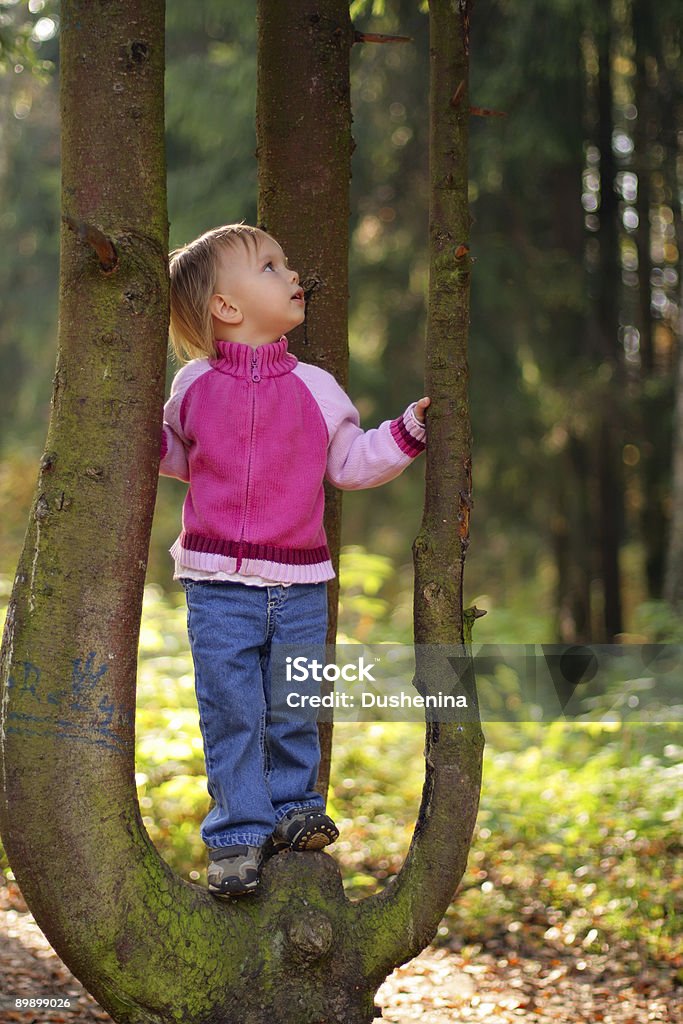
pixel 314 838
pixel 238 890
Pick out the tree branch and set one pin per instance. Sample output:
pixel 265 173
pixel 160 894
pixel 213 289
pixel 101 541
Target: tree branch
pixel 374 37
pixel 97 240
pixel 486 112
pixel 475 111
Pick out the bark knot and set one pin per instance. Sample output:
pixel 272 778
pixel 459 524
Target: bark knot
pixel 310 932
pixel 432 592
pixel 135 52
pixel 101 244
pixel 42 508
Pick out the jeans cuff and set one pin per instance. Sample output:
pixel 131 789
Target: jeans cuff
pixel 240 839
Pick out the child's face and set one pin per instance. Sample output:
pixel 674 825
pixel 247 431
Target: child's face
pixel 258 297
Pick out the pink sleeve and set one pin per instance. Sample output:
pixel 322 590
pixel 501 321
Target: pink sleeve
pixel 174 443
pixel 359 458
pixel 173 456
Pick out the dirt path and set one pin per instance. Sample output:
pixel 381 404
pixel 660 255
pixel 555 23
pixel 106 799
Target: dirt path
pixel 439 987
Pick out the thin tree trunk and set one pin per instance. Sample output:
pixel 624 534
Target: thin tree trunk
pixel 671 95
pixel 673 578
pixel 303 126
pixel 408 911
pixel 571 530
pixel 563 188
pixel 673 581
pixel 641 15
pixel 608 434
pixel 610 491
pixel 653 400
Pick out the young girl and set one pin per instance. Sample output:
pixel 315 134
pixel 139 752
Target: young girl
pixel 254 432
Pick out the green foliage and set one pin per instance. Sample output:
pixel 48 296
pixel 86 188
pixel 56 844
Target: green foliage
pixel 29 219
pixel 210 100
pixel 23 27
pixel 169 754
pixel 660 622
pixel 577 843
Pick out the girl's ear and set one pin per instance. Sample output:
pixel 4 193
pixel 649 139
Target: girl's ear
pixel 224 309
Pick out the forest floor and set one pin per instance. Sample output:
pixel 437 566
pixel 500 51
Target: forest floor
pixel 497 986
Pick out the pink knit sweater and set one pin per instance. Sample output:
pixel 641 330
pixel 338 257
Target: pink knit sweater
pixel 255 432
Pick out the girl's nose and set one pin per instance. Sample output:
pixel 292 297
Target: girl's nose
pixel 295 277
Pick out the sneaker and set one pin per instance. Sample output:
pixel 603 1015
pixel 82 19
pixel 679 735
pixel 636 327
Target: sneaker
pixel 305 830
pixel 234 870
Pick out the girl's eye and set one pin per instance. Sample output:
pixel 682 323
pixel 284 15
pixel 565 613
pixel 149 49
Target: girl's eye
pixel 269 266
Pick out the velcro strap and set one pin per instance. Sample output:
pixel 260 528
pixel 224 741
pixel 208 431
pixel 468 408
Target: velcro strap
pixel 223 852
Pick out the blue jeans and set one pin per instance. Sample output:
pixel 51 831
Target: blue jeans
pixel 257 769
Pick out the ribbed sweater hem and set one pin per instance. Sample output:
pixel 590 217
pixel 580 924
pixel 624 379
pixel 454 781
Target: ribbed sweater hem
pixel 278 572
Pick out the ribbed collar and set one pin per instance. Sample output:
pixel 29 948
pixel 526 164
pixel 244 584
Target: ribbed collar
pixel 239 360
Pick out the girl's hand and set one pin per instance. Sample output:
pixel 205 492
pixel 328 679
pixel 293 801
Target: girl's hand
pixel 420 409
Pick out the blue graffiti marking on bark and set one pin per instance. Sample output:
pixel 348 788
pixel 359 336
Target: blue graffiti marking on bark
pixel 21 716
pixel 85 678
pixel 107 708
pixel 30 680
pixel 91 714
pixel 46 727
pixel 127 717
pixel 23 730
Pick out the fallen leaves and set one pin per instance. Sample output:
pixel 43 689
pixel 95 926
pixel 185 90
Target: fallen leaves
pixel 440 987
pixel 495 986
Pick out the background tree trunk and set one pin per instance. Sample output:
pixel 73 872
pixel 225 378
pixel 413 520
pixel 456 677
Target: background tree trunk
pixel 303 126
pixel 653 407
pixel 673 579
pixel 609 425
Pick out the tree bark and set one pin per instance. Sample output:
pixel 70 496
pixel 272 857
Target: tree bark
pixel 609 429
pixel 408 911
pixel 571 529
pixel 653 406
pixel 641 18
pixel 673 576
pixel 303 128
pixel 68 811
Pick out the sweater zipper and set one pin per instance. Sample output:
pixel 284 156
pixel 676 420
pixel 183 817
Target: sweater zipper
pixel 255 378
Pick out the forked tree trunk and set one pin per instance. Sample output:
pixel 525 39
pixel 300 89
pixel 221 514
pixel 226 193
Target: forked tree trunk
pixel 303 129
pixel 152 948
pixel 673 580
pixel 609 426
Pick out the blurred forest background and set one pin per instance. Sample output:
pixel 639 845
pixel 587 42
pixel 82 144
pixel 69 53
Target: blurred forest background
pixel 576 327
pixel 575 199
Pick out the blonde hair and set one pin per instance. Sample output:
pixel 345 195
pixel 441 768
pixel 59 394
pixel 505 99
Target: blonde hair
pixel 193 269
